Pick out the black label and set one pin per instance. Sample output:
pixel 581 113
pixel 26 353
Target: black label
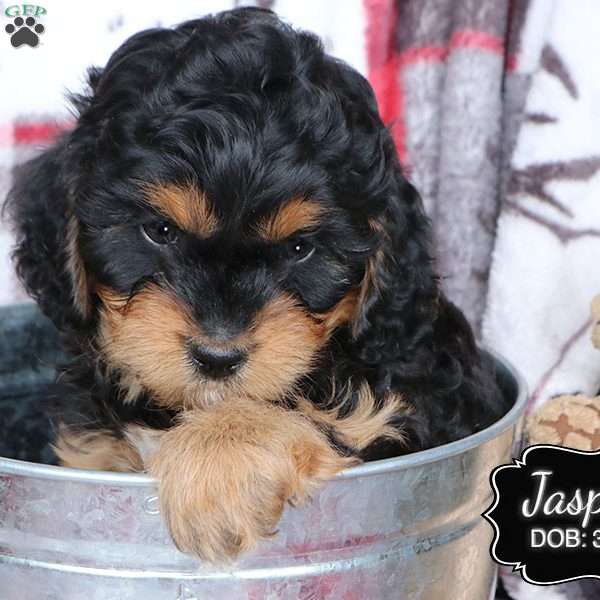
pixel 546 514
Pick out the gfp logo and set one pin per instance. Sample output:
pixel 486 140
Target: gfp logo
pixel 24 29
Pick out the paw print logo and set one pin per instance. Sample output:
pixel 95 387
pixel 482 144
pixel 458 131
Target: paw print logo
pixel 24 32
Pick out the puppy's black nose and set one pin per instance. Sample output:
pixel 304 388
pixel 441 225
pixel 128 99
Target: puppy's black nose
pixel 217 363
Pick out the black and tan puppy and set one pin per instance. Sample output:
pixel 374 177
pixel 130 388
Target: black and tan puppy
pixel 243 277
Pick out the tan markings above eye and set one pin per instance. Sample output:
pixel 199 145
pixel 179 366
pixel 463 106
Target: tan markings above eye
pixel 185 205
pixel 293 216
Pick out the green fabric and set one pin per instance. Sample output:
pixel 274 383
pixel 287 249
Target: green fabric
pixel 29 354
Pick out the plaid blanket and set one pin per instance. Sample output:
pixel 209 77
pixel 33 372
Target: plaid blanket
pixel 438 68
pixel 494 107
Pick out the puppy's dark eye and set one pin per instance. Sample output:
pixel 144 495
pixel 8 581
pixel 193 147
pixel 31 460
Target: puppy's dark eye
pixel 160 232
pixel 300 249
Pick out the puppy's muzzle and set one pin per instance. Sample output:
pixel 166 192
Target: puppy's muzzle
pixel 216 363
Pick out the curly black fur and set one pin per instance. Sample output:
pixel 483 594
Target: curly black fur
pixel 253 113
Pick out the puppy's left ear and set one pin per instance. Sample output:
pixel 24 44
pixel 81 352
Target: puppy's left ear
pixel 47 260
pixel 399 296
pixel 397 300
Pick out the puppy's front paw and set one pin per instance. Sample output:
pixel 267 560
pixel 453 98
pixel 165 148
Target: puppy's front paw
pixel 225 474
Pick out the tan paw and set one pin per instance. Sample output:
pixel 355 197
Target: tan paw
pixel 225 474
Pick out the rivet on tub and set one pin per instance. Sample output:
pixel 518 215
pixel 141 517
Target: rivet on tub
pixel 151 505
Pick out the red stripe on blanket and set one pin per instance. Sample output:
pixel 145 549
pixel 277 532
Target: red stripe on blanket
pixel 386 81
pixel 32 132
pixel 479 40
pixel 385 63
pixel 384 68
pixel 36 133
pixel 468 38
pixel 424 54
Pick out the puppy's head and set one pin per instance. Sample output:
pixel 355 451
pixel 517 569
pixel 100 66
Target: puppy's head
pixel 228 199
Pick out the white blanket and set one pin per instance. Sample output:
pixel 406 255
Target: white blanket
pixel 546 261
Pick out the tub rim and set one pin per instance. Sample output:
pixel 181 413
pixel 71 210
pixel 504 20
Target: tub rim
pixel 11 466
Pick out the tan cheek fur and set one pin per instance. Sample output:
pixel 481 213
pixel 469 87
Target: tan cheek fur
pixel 286 342
pixel 225 474
pixel 145 341
pixel 97 450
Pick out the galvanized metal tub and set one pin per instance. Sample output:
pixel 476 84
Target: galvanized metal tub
pixel 399 529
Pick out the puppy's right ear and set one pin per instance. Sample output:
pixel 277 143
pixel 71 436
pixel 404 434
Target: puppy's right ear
pixel 47 260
